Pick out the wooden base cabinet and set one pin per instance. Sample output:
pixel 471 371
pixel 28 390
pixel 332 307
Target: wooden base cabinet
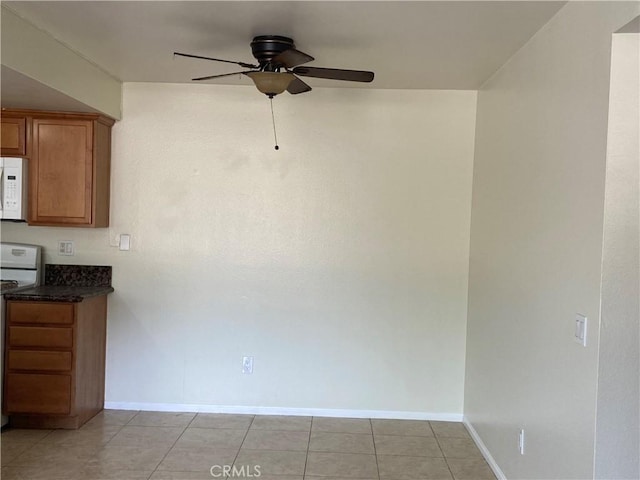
pixel 54 362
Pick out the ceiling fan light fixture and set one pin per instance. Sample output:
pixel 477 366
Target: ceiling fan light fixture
pixel 271 83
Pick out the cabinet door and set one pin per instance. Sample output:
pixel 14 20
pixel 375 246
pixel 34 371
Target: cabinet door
pixel 42 394
pixel 14 136
pixel 61 172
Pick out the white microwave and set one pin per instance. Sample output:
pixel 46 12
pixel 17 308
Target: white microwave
pixel 13 186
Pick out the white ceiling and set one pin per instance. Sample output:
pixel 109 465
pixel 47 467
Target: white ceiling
pixel 409 45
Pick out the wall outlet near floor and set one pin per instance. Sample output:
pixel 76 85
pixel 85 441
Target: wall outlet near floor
pixel 247 365
pixel 521 442
pixel 66 247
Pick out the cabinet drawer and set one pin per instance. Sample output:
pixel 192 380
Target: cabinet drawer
pixel 40 337
pixel 13 133
pixel 42 361
pixel 40 312
pixel 31 393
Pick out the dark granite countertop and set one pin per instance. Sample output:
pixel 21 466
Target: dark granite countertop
pixel 68 283
pixel 56 293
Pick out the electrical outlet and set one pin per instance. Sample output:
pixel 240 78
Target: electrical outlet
pixel 521 442
pixel 66 247
pixel 247 365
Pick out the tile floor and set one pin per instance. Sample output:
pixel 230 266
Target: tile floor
pixel 125 445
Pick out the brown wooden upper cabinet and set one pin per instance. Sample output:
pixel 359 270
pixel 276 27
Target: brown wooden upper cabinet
pixel 14 136
pixel 69 167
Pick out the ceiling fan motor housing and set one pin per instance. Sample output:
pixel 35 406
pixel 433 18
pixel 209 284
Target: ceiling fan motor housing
pixel 267 47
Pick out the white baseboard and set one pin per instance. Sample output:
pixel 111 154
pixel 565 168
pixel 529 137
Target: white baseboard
pixel 497 471
pixel 254 410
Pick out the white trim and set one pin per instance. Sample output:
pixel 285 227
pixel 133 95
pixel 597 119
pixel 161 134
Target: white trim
pixel 254 410
pixel 497 471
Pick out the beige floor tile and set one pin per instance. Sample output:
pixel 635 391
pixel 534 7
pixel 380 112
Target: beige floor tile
pixel 168 475
pixel 341 442
pixel 281 422
pixel 346 465
pixel 111 417
pixel 13 473
pixel 11 450
pixel 221 420
pixel 239 474
pixel 162 419
pixel 96 436
pixel 341 425
pixel 211 437
pixel 242 475
pixel 88 473
pixel 54 472
pixel 400 467
pixel 316 477
pixel 127 458
pixel 282 477
pixel 402 427
pixel 23 435
pixel 128 445
pixel 407 445
pixel 459 447
pixel 449 429
pixel 272 462
pixel 276 440
pixel 197 459
pixel 135 436
pixel 470 469
pixel 46 456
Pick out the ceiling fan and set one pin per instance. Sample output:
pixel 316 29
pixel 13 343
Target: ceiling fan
pixel 279 67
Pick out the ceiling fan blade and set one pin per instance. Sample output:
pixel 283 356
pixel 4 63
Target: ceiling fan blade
pixel 334 74
pixel 291 58
pixel 218 76
pixel 298 86
pixel 242 64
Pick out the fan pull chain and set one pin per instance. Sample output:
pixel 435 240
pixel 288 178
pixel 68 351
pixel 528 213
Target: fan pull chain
pixel 273 120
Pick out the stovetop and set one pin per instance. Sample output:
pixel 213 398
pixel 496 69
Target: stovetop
pixel 7 286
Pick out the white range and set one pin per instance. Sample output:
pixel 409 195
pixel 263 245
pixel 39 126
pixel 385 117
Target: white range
pixel 20 268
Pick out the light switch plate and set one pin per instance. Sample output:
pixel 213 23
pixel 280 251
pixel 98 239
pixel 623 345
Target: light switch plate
pixel 581 330
pixel 125 242
pixel 521 442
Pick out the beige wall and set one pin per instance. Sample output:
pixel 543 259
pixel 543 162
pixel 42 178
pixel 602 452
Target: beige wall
pixel 618 423
pixel 536 245
pixel 339 262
